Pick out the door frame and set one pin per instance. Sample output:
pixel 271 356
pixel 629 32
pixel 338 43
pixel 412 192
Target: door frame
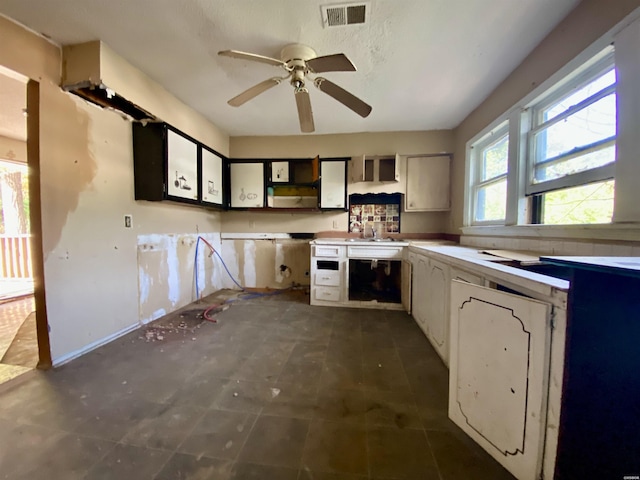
pixel 35 218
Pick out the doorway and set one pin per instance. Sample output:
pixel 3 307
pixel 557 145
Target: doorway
pixel 19 352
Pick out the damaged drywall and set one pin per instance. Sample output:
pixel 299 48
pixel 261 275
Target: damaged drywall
pixel 266 263
pixel 168 274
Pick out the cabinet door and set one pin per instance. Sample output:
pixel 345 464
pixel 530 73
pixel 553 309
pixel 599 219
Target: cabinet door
pixel 247 185
pixel 357 169
pixel 182 167
pixel 333 184
pixel 406 285
pixel 418 290
pixel 427 184
pixel 211 179
pixel 499 371
pixel 436 313
pixel 465 276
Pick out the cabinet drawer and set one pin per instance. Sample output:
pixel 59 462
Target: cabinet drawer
pixel 327 277
pixel 374 252
pixel 327 294
pixel 328 251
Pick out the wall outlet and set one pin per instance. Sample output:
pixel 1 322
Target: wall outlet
pixel 127 221
pixel 252 224
pixel 335 224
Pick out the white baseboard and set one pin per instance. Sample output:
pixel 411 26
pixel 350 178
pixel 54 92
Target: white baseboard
pixel 57 362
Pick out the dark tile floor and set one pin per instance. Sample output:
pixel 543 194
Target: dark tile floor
pixel 276 390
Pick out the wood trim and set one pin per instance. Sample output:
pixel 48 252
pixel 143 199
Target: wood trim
pixel 35 216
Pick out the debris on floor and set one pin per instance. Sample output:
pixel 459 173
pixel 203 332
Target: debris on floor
pixel 179 324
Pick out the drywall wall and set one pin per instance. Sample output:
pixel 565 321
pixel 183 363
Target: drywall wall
pixel 590 20
pixel 346 145
pixel 97 63
pixel 91 268
pixel 96 262
pixel 265 263
pixel 167 278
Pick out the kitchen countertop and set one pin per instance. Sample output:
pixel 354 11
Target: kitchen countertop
pixel 493 270
pixel 459 251
pixel 490 266
pixel 360 241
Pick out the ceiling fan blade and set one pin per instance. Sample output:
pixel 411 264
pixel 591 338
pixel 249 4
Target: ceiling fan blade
pixel 340 94
pixel 252 56
pixel 331 63
pixel 254 91
pixel 303 102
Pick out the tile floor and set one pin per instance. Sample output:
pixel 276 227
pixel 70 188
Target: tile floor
pixel 13 314
pixel 276 390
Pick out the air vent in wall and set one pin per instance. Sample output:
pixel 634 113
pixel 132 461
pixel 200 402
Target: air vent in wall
pixel 344 14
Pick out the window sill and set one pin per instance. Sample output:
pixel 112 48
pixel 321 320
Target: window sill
pixel 611 231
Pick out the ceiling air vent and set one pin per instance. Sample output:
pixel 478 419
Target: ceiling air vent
pixel 345 14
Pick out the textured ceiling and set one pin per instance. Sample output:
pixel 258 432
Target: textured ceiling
pixel 422 64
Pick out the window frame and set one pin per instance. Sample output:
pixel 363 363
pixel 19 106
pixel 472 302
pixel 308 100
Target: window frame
pixel 596 67
pixel 518 121
pixel 476 150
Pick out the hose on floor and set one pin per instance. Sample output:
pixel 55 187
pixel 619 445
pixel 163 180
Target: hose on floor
pixel 247 296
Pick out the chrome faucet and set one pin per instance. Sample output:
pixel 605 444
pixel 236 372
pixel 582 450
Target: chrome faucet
pixel 374 232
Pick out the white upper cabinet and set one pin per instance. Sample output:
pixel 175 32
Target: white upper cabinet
pixel 333 178
pixel 428 184
pixel 375 168
pixel 247 185
pixel 211 179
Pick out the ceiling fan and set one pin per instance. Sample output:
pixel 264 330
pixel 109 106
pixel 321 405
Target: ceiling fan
pixel 299 61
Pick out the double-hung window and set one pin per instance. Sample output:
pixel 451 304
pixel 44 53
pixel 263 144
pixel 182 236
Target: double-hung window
pixel 564 150
pixel 571 148
pixel 489 165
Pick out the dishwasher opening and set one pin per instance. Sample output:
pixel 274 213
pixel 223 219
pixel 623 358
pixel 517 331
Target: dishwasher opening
pixel 379 280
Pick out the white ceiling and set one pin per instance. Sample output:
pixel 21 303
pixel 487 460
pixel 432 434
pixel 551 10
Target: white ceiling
pixel 422 64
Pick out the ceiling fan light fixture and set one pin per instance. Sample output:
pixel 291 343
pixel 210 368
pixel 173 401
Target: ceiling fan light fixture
pixel 299 61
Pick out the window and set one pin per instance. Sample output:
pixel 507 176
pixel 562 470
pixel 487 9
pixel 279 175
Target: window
pixel 490 167
pixel 565 144
pixel 591 203
pixel 571 145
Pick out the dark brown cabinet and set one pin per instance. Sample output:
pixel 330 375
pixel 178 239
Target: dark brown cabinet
pixel 169 165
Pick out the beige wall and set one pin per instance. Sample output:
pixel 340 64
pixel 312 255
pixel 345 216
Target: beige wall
pixel 584 25
pixel 346 145
pixel 91 259
pixel 257 262
pixel 12 149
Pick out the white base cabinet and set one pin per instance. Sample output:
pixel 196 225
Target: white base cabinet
pixel 430 293
pixel 420 270
pixel 330 272
pixel 500 346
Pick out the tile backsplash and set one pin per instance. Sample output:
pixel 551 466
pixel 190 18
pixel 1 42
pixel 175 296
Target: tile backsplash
pixel 385 218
